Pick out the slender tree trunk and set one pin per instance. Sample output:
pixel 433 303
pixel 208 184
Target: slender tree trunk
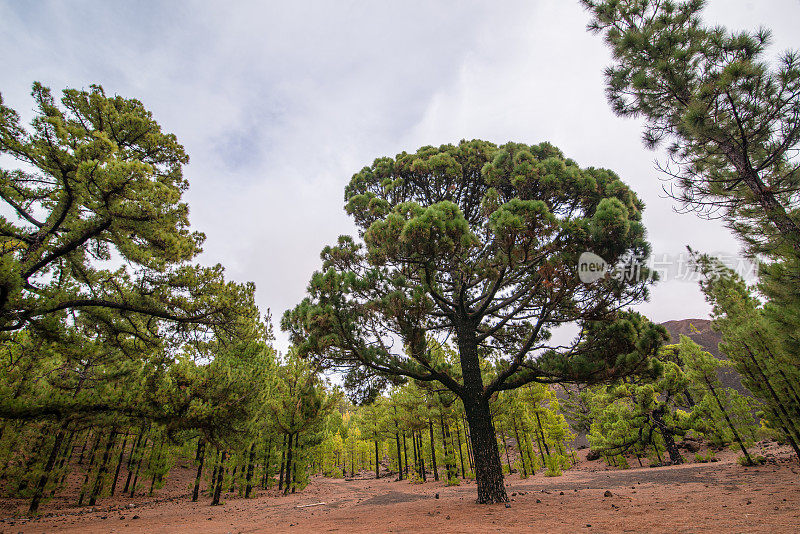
pixel 138 468
pixel 468 441
pixel 233 479
pixel 448 458
pixel 519 448
pixel 131 458
pixel 220 479
pixel 795 436
pixel 289 459
pixel 405 454
pixel 377 465
pixel 531 455
pixel 399 457
pixel 460 450
pixel 250 469
pixel 421 453
pixel 505 445
pixel 283 464
pixel 101 473
pixel 268 457
pixel 200 459
pixel 541 431
pixel 119 465
pixel 51 459
pixel 294 462
pixel 433 452
pixel 89 468
pixel 728 420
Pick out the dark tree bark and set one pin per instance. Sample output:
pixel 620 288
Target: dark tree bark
pixel 460 450
pixel 42 484
pixel 101 473
pixel 132 458
pixel 200 458
pixel 250 469
pixel 89 468
pixel 377 464
pixel 666 433
pixel 267 460
pixel 519 447
pixel 399 457
pixel 283 464
pixel 119 465
pixel 433 452
pixel 728 420
pixel 505 445
pixel 289 453
pixel 405 454
pixel 220 479
pixel 488 471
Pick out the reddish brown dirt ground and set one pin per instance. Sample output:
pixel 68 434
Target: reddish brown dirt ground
pixel 712 497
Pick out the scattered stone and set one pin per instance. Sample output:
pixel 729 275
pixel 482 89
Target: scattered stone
pixel 588 525
pixel 514 494
pixel 562 493
pixel 436 496
pixel 131 505
pixel 448 517
pixel 508 505
pixel 538 501
pixel 104 517
pixel 608 494
pixel 135 517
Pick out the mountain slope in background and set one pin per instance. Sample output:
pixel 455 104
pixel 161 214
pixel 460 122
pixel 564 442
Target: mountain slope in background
pixel 699 331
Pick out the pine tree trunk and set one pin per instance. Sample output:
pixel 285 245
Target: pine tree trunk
pixel 544 440
pixel 42 484
pixel 268 458
pixel 200 458
pixel 220 479
pixel 414 449
pixel 405 454
pixel 795 435
pixel 250 469
pixel 294 463
pixel 728 420
pixel 283 464
pixel 138 468
pixel 101 473
pixel 289 459
pixel 519 448
pixel 377 465
pixel 505 445
pixel 399 457
pixel 119 465
pixel 423 471
pixel 89 468
pixel 131 458
pixel 666 433
pixel 488 471
pixel 433 452
pixel 460 450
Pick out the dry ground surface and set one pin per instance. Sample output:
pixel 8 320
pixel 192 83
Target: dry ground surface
pixel 709 497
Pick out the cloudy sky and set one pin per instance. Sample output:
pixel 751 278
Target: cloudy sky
pixel 279 103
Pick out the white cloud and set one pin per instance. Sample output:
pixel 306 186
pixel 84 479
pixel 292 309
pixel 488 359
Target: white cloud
pixel 279 103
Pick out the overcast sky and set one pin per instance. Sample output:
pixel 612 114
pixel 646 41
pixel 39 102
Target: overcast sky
pixel 279 103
